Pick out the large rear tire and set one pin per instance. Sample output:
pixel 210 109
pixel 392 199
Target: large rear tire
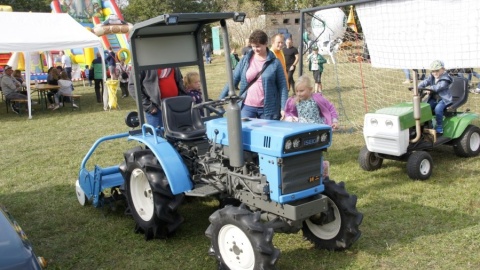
pixel 468 144
pixel 338 228
pixel 368 161
pixel 240 241
pixel 419 165
pixel 150 199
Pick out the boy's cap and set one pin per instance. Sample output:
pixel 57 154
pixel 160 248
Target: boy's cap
pixel 7 67
pixel 436 65
pixel 315 48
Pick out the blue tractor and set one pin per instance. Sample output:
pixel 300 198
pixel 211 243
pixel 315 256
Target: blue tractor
pixel 267 175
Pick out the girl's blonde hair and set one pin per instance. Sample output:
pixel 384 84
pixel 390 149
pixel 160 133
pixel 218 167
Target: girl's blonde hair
pixel 305 81
pixel 189 77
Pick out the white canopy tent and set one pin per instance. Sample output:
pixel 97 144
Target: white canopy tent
pixel 43 32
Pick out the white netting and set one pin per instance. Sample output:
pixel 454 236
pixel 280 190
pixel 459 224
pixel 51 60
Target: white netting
pixel 400 34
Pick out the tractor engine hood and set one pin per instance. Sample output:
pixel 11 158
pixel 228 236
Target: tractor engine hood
pixel 404 111
pixel 272 137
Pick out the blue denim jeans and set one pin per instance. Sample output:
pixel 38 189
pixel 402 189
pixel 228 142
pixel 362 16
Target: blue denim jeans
pixel 208 58
pixel 252 112
pixel 438 108
pixel 154 119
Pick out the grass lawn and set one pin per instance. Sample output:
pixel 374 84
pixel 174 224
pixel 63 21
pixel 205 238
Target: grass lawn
pixel 407 224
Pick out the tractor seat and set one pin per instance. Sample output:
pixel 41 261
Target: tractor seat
pixel 180 120
pixel 459 91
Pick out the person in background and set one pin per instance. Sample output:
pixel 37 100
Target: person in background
pixel 86 73
pixel 408 79
pixel 192 86
pixel 291 61
pixel 247 47
pixel 234 57
pixel 277 46
pixel 439 82
pixel 309 107
pixel 52 79
pixel 97 70
pixel 123 72
pixel 156 85
pixel 66 86
pixel 66 64
pixel 11 88
pixel 111 63
pixel 261 80
pixel 17 74
pixel 315 64
pixel 207 51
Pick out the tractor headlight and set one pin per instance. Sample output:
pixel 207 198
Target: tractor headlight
pixel 389 123
pixel 296 142
pixel 373 122
pixel 288 145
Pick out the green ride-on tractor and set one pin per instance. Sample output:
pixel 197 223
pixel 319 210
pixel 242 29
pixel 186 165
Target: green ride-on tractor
pixel 267 175
pixel 404 132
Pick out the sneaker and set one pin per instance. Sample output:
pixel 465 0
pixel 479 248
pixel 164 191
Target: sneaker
pixel 439 129
pixel 51 106
pixel 14 109
pixel 477 91
pixel 406 82
pixel 55 107
pixel 75 105
pixel 61 104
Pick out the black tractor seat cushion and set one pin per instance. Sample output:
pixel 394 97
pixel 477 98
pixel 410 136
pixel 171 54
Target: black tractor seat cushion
pixel 180 120
pixel 459 91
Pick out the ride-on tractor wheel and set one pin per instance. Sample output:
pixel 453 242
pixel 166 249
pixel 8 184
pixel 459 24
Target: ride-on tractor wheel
pixel 82 198
pixel 419 165
pixel 368 161
pixel 338 228
pixel 240 240
pixel 468 144
pixel 149 197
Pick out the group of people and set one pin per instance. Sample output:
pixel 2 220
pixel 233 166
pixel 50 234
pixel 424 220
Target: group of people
pixel 117 68
pixel 260 75
pixel 59 76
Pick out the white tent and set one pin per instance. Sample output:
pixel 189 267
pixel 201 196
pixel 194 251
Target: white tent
pixel 31 32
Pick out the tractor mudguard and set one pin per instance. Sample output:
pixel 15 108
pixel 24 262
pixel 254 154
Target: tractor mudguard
pixel 168 157
pixel 453 127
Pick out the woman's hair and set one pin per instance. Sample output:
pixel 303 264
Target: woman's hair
pixel 64 75
pixel 17 73
pixel 189 77
pixel 304 81
pixel 258 37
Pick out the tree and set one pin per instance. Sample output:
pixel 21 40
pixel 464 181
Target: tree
pixel 28 5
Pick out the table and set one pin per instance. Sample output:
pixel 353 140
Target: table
pixel 42 90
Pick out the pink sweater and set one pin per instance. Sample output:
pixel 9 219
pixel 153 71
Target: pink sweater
pixel 327 110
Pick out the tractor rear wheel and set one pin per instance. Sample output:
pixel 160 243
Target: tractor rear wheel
pixel 368 161
pixel 338 228
pixel 419 165
pixel 468 144
pixel 150 199
pixel 240 240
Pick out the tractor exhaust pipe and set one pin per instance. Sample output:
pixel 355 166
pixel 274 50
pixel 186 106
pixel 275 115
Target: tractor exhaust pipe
pixel 234 120
pixel 416 108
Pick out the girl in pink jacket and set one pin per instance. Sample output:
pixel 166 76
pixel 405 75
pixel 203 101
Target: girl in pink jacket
pixel 309 107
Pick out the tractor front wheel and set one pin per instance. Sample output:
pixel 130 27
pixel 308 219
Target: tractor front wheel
pixel 368 161
pixel 419 165
pixel 240 241
pixel 468 144
pixel 150 199
pixel 82 198
pixel 338 227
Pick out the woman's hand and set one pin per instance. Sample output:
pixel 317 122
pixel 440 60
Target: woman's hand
pixel 335 125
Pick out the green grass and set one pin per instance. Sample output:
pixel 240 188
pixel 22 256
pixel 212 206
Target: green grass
pixel 407 224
